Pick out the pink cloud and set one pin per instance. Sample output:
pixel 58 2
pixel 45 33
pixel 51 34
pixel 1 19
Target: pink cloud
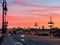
pixel 20 3
pixel 22 17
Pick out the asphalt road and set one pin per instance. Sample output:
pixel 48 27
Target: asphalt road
pixel 31 41
pixel 28 40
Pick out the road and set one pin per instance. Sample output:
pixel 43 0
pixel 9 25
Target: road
pixel 31 41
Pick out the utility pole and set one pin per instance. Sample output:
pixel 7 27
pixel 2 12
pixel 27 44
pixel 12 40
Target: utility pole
pixel 4 13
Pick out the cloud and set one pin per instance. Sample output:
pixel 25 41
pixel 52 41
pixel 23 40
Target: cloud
pixel 35 12
pixel 20 3
pixel 24 13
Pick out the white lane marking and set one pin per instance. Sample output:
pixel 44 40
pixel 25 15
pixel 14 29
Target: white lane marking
pixel 18 43
pixel 22 40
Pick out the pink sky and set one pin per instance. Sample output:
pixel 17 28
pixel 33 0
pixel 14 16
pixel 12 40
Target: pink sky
pixel 24 13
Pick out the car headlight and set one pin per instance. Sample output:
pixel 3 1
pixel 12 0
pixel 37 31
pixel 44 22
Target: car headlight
pixel 22 35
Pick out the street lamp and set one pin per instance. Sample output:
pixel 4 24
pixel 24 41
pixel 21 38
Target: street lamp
pixel 4 13
pixel 50 24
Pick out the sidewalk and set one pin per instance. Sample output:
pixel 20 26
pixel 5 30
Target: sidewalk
pixel 9 41
pixel 1 39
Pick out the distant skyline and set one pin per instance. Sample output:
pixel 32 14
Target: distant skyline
pixel 24 13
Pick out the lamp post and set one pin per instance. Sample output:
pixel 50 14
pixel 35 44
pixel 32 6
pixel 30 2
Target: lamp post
pixel 4 13
pixel 50 24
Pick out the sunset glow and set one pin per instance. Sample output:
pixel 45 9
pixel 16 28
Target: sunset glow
pixel 24 13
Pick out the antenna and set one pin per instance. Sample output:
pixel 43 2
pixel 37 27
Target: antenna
pixel 50 19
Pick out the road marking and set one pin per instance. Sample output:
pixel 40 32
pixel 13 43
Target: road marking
pixel 22 40
pixel 18 43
